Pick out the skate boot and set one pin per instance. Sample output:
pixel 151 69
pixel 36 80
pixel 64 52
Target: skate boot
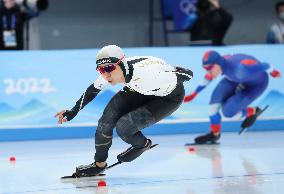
pixel 209 138
pixel 89 170
pixel 133 152
pixel 249 121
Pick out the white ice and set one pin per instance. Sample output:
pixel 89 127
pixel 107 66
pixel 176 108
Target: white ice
pixel 247 164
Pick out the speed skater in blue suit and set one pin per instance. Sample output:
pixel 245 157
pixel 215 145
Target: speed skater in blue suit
pixel 245 78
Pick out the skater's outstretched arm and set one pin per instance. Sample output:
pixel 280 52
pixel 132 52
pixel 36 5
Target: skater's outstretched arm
pixel 90 93
pixel 205 82
pixel 253 66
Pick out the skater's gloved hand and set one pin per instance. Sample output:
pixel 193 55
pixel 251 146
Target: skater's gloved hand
pixel 190 97
pixel 275 73
pixel 64 116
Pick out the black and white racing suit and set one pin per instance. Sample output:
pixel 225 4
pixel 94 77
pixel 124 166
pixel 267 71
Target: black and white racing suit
pixel 153 90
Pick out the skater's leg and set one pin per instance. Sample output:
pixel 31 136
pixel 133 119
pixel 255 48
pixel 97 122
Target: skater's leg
pixel 221 93
pixel 152 112
pixel 243 99
pixel 224 90
pixel 238 103
pixel 120 104
pixel 128 127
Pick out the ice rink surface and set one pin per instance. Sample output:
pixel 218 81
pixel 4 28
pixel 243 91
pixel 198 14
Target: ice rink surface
pixel 247 164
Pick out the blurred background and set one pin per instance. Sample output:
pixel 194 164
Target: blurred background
pixel 69 24
pixel 47 46
pixel 48 59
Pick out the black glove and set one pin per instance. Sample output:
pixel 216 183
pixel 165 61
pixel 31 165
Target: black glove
pixel 69 114
pixel 183 74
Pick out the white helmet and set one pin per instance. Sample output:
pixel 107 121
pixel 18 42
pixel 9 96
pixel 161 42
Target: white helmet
pixel 112 54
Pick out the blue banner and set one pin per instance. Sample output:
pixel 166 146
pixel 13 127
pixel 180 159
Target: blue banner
pixel 184 14
pixel 34 85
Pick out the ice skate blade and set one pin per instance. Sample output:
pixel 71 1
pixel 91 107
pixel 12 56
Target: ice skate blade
pixel 74 177
pixel 100 175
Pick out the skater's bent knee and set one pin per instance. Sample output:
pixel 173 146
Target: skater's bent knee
pixel 125 126
pixel 105 128
pixel 228 112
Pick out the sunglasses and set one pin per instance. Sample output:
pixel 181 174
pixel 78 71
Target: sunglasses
pixel 109 68
pixel 208 67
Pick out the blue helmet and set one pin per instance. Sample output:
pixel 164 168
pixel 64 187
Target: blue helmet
pixel 211 58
